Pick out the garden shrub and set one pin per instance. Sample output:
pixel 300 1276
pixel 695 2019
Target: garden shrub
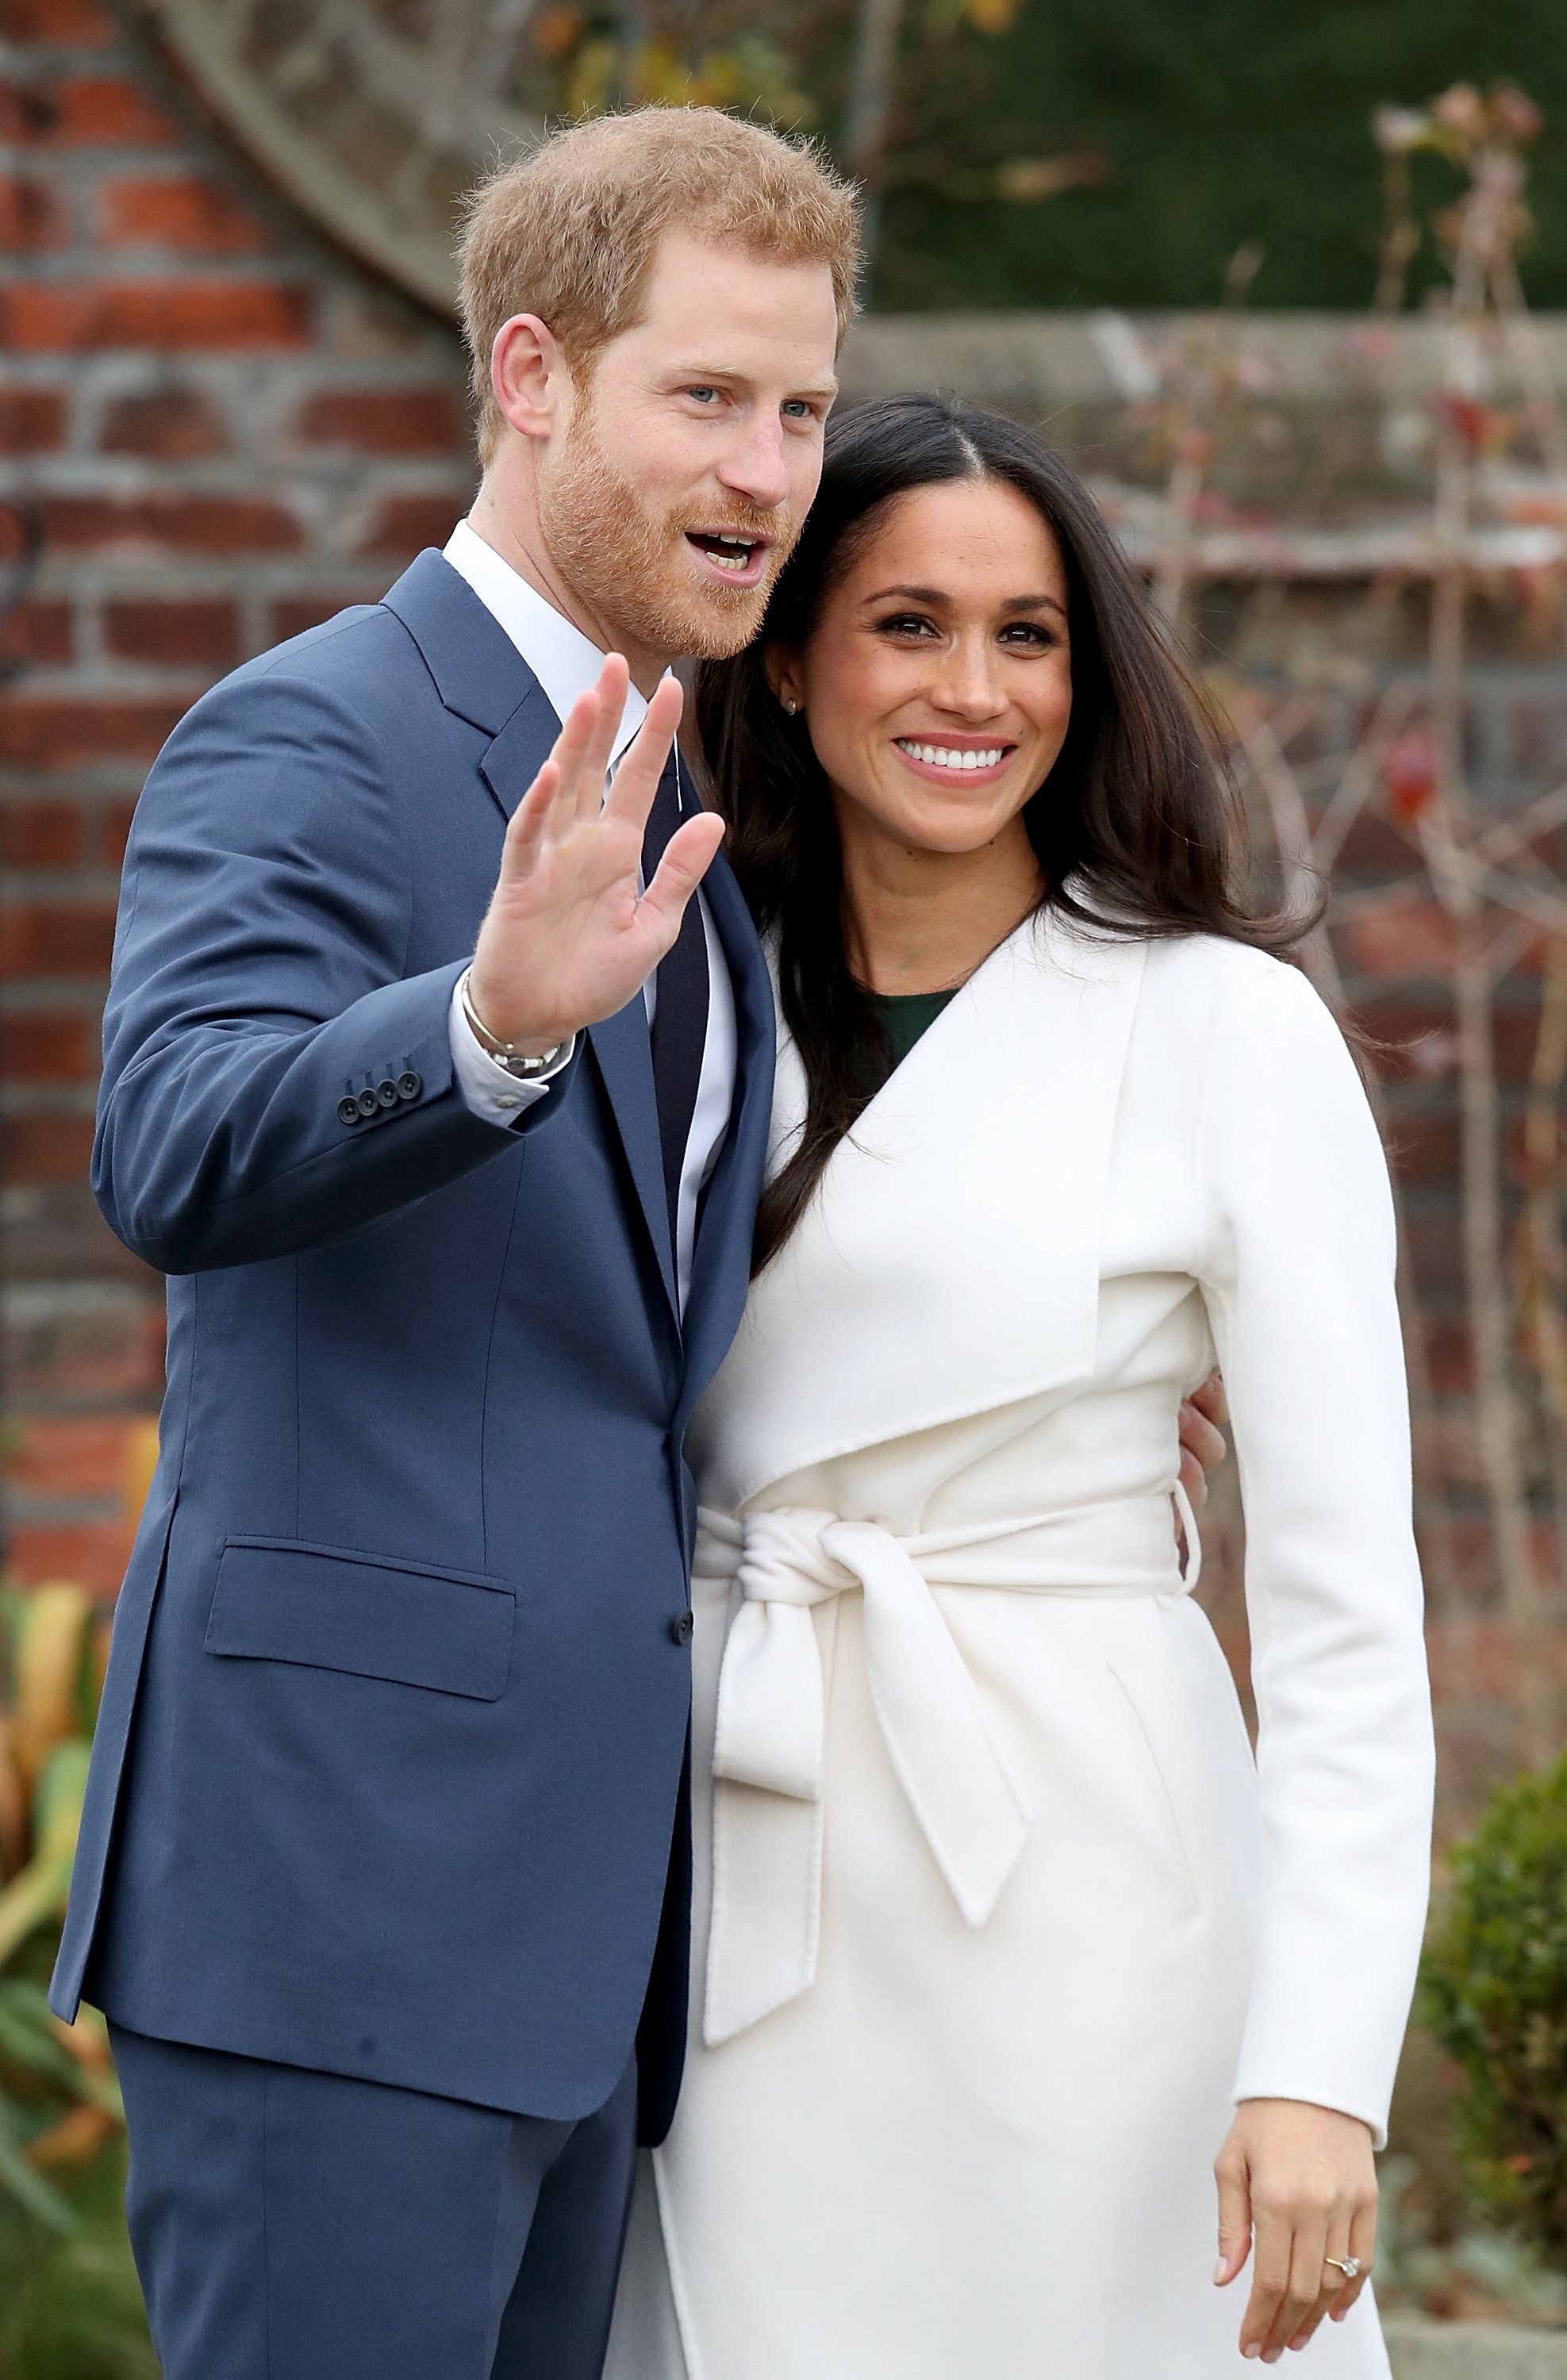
pixel 1493 1990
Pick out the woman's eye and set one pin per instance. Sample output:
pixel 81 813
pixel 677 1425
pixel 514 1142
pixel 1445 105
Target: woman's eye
pixel 1031 635
pixel 906 623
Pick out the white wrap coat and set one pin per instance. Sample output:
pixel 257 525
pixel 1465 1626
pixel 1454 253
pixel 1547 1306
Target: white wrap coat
pixel 995 1916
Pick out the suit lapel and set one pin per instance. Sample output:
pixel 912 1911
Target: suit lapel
pixel 950 1261
pixel 721 1268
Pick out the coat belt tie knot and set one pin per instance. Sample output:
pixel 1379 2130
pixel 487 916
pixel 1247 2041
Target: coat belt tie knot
pixel 771 1724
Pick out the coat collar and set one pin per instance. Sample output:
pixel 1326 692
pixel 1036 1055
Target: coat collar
pixel 950 1261
pixel 477 671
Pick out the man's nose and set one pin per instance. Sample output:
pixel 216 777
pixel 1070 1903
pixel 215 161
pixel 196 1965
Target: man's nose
pixel 756 468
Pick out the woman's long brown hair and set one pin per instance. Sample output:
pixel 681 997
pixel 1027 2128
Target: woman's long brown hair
pixel 1135 826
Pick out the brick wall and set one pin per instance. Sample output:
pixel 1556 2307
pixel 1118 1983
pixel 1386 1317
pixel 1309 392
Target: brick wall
pixel 222 436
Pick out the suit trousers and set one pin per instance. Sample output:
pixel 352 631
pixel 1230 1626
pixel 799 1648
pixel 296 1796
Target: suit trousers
pixel 288 2224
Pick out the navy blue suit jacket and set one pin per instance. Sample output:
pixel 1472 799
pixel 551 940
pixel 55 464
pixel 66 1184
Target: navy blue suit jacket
pixel 390 1753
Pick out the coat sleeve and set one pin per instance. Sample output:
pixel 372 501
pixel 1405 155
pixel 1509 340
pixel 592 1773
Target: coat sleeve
pixel 1299 1285
pixel 259 984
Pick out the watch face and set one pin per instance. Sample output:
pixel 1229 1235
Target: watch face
pixel 372 115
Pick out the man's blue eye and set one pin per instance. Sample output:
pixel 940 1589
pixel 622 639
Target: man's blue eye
pixel 701 392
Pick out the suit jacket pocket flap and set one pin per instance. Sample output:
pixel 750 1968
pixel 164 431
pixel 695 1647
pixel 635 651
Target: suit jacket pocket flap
pixel 278 1600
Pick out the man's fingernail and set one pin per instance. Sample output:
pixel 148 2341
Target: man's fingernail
pixel 1251 2352
pixel 1219 2272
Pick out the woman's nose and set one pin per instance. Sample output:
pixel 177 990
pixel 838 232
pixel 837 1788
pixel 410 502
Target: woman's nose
pixel 968 686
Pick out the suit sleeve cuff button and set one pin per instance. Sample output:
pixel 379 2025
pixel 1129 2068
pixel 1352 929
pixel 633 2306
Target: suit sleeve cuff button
pixel 410 1085
pixel 348 1110
pixel 387 1093
pixel 369 1105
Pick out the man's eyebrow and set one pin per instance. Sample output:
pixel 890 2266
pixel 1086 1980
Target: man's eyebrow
pixel 937 595
pixel 699 373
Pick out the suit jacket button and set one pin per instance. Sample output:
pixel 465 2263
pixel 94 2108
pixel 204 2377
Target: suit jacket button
pixel 368 1104
pixel 681 1629
pixel 410 1084
pixel 387 1093
pixel 348 1110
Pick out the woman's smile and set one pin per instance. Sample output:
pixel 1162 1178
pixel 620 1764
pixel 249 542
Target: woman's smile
pixel 946 758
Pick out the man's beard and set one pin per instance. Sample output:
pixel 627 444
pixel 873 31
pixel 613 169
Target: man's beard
pixel 627 562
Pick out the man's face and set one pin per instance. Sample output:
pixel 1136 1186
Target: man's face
pixel 673 497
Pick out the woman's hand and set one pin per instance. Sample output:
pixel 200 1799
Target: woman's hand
pixel 1297 2184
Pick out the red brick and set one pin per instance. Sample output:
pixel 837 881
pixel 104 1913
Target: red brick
pixel 33 216
pixel 90 1552
pixel 172 423
pixel 41 834
pixel 31 420
pixel 43 1148
pixel 186 523
pixel 115 832
pixel 59 1049
pixel 81 23
pixel 102 1358
pixel 181 211
pixel 70 937
pixel 1405 939
pixel 385 421
pixel 292 615
pixel 404 524
pixel 37 316
pixel 47 731
pixel 82 111
pixel 39 631
pixel 72 1454
pixel 200 634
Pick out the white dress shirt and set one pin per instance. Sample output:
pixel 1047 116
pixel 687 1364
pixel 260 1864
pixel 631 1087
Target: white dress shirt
pixel 567 664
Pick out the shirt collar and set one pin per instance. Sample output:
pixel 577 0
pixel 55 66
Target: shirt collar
pixel 564 661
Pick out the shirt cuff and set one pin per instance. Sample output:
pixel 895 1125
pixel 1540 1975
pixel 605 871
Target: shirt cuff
pixel 488 1089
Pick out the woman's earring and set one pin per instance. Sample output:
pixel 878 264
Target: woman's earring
pixel 790 705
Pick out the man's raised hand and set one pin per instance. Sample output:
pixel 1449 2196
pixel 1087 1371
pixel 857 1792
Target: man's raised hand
pixel 567 938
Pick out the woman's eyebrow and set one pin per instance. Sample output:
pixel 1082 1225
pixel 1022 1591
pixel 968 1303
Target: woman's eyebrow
pixel 935 595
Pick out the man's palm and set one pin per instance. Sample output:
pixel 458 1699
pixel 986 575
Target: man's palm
pixel 570 937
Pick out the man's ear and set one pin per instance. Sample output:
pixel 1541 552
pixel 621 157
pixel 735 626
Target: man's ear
pixel 781 667
pixel 526 370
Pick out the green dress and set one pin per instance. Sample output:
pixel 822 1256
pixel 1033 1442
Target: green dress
pixel 903 1016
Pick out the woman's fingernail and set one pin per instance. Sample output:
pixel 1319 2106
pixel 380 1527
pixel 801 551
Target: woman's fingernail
pixel 1219 2272
pixel 1251 2352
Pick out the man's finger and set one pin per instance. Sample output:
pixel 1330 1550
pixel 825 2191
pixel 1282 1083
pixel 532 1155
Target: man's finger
pixel 630 798
pixel 525 829
pixel 588 791
pixel 688 857
pixel 1199 1438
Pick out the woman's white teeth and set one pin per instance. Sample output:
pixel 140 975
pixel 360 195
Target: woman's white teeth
pixel 939 756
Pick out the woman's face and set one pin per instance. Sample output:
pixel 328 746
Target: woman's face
pixel 937 684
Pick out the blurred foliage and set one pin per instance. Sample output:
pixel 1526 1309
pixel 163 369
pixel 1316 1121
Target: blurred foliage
pixel 59 2103
pixel 70 2305
pixel 1493 1992
pixel 1070 155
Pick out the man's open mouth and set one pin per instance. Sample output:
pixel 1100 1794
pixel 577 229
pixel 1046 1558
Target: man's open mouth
pixel 730 554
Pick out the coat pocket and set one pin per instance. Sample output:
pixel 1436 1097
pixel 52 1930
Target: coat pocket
pixel 326 1607
pixel 1158 1767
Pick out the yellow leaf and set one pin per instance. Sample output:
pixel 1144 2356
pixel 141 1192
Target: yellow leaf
pixel 38 1892
pixel 139 1461
pixel 50 1644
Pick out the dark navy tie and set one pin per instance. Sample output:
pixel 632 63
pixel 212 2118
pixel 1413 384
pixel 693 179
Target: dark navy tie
pixel 680 1012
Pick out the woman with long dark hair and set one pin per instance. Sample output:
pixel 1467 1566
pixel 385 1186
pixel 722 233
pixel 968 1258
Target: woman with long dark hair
pixel 1002 1942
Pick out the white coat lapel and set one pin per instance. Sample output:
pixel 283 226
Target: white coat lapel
pixel 950 1261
